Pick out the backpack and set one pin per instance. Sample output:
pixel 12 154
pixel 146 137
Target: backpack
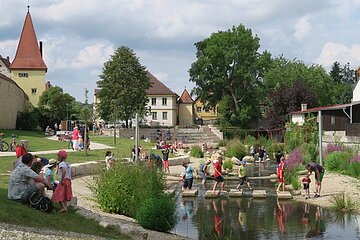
pixel 40 202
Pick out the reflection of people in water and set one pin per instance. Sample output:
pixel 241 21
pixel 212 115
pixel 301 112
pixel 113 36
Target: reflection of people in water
pixel 189 209
pixel 242 213
pixel 218 221
pixel 305 218
pixel 319 228
pixel 281 215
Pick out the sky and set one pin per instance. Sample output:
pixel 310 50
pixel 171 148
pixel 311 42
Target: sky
pixel 80 35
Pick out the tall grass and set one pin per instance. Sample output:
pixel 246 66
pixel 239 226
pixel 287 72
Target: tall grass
pixel 342 203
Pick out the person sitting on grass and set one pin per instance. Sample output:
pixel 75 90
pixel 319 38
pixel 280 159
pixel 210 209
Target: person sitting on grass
pixel 280 175
pixel 49 173
pixel 19 188
pixel 242 176
pixel 188 176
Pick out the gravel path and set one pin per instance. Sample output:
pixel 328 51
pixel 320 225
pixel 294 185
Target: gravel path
pixel 14 232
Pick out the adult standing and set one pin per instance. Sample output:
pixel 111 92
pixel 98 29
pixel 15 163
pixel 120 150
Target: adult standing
pixel 55 128
pixel 19 188
pixel 319 175
pixel 75 138
pixel 204 172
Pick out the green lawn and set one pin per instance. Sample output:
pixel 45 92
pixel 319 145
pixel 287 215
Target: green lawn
pixel 15 213
pixel 37 140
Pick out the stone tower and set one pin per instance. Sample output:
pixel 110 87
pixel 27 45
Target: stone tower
pixel 28 69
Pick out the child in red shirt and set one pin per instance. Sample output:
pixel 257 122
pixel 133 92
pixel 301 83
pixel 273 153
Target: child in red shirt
pixel 280 175
pixel 306 183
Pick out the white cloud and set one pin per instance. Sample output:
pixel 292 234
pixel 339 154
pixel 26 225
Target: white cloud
pixel 93 56
pixel 8 48
pixel 302 28
pixel 332 52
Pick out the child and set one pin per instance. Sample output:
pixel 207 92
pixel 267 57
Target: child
pixel 306 183
pixel 188 179
pixel 203 172
pixel 280 175
pixel 63 192
pixel 49 173
pixel 165 153
pixel 218 174
pixel 109 160
pixel 242 176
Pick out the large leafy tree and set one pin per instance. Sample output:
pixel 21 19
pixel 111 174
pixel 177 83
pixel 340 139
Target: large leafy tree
pixel 344 78
pixel 228 71
pixel 286 72
pixel 285 99
pixel 55 106
pixel 123 86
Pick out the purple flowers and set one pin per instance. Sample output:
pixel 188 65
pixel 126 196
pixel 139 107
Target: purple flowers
pixel 356 159
pixel 333 148
pixel 294 159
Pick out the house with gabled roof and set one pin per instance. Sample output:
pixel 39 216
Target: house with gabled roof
pixel 5 66
pixel 162 104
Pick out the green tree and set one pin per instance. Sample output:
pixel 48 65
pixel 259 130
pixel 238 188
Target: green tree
pixel 54 106
pixel 286 72
pixel 229 69
pixel 123 86
pixel 335 72
pixel 344 78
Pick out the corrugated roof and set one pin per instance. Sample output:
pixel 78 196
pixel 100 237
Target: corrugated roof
pixel 157 87
pixel 28 52
pixel 185 97
pixel 324 108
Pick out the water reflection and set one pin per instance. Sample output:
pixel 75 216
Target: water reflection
pixel 247 218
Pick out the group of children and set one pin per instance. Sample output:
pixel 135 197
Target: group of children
pixel 62 190
pixel 204 174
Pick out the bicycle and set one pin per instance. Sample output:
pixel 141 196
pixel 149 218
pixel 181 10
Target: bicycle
pixel 4 146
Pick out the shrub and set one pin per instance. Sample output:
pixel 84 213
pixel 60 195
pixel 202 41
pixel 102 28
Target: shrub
pixel 330 148
pixel 310 152
pixel 235 148
pixel 354 169
pixel 124 188
pixel 294 180
pixel 222 143
pixel 27 121
pixel 337 161
pixel 228 165
pixel 196 152
pixel 157 213
pixel 342 203
pixel 294 159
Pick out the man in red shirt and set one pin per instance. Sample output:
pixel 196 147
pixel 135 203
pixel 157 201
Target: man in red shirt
pixel 217 173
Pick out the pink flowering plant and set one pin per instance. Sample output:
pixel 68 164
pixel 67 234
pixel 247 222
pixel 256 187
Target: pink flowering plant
pixel 334 148
pixel 294 159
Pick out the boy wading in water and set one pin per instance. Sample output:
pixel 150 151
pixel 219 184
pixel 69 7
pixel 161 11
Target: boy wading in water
pixel 242 176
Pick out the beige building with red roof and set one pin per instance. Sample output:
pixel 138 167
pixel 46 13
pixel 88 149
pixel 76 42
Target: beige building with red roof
pixel 162 104
pixel 186 109
pixel 28 69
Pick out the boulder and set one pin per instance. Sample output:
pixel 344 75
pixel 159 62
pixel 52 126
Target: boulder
pixel 235 160
pixel 249 159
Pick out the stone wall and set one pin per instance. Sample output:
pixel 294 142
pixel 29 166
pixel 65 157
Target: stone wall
pixel 12 100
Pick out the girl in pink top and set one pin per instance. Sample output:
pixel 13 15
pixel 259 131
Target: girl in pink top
pixel 75 138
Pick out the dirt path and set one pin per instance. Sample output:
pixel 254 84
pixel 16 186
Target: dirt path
pixel 332 185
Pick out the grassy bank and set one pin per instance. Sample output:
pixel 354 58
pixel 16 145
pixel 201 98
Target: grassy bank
pixel 15 213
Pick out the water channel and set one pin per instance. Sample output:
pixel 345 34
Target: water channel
pixel 248 218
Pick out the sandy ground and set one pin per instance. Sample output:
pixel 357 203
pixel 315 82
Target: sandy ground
pixel 332 185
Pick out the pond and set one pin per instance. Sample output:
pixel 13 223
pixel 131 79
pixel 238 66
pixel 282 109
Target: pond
pixel 248 218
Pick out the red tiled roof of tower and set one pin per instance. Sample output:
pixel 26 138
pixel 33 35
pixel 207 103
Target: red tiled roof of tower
pixel 185 97
pixel 28 52
pixel 157 87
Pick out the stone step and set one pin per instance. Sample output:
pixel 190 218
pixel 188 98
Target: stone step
pixel 235 193
pixel 284 195
pixel 190 193
pixel 259 194
pixel 211 194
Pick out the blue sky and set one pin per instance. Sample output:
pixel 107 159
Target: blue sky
pixel 80 35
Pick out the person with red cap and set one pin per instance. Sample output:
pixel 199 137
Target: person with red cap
pixel 63 192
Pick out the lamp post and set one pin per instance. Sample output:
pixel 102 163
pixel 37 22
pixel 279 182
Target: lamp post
pixel 67 116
